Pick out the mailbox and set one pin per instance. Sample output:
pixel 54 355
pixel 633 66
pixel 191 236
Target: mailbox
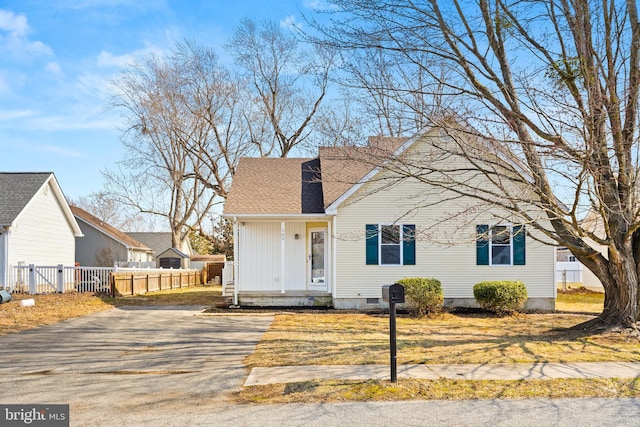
pixel 393 293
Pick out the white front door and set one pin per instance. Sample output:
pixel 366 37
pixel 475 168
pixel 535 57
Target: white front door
pixel 317 259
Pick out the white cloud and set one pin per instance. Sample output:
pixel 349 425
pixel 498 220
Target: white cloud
pixel 108 60
pixel 319 5
pixel 13 24
pixel 291 23
pixel 54 68
pixel 13 115
pixel 14 30
pixel 56 149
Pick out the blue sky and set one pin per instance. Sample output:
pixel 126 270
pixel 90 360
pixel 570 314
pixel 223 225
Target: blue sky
pixel 57 57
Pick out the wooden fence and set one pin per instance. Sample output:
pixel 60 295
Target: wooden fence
pixel 142 281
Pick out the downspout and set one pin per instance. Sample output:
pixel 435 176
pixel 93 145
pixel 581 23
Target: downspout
pixel 236 261
pixel 282 261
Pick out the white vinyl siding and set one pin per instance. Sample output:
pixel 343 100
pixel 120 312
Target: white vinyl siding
pixel 445 242
pixel 259 252
pixel 3 270
pixel 41 234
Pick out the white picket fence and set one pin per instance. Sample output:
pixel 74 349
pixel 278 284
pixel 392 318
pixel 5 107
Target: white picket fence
pixel 34 279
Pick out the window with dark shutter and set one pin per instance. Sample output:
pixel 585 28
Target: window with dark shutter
pixel 390 244
pixel 500 245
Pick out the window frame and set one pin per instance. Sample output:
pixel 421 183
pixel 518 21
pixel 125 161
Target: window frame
pixel 490 237
pixel 399 244
pixel 406 242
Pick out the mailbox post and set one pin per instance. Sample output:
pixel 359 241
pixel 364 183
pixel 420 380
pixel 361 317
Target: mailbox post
pixel 393 294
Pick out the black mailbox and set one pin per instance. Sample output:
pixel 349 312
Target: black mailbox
pixel 393 293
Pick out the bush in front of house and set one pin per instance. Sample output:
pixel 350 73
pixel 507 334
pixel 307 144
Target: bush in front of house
pixel 423 295
pixel 500 296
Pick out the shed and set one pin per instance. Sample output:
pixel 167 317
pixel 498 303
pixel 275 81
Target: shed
pixel 173 258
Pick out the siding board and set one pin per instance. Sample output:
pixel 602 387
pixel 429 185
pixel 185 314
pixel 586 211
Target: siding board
pixel 445 246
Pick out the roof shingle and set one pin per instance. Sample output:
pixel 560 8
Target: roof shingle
pixel 16 190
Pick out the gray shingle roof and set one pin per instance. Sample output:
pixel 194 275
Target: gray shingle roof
pixel 16 190
pixel 158 241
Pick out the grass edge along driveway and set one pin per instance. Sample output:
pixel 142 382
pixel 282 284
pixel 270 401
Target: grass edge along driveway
pixel 490 336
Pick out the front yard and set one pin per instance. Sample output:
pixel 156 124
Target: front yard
pixel 52 308
pixel 316 338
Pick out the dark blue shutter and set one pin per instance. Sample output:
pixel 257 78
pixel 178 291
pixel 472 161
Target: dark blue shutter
pixel 408 245
pixel 482 245
pixel 519 252
pixel 372 244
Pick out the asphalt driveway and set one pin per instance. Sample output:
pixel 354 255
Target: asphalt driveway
pixel 117 363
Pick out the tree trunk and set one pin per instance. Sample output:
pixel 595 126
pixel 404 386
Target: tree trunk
pixel 621 293
pixel 619 278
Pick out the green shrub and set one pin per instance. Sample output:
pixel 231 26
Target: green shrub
pixel 500 296
pixel 423 295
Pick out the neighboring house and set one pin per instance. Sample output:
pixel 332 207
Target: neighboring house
pixel 568 269
pixel 36 223
pixel 332 230
pixel 104 245
pixel 593 224
pixel 160 242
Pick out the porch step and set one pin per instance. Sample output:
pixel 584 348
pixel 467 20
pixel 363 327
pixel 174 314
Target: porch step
pixel 227 290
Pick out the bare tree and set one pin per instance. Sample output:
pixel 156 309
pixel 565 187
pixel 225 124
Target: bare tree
pixel 396 99
pixel 108 209
pixel 553 86
pixel 182 138
pixel 288 83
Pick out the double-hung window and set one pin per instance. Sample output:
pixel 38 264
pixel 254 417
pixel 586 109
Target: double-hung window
pixel 500 245
pixel 390 244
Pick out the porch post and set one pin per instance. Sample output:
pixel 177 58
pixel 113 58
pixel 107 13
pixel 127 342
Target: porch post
pixel 282 263
pixel 334 259
pixel 236 261
pixel 329 266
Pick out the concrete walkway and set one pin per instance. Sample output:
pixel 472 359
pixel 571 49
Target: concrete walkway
pixel 505 371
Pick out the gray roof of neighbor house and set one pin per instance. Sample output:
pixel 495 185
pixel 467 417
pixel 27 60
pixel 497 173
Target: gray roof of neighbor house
pixel 159 241
pixel 16 190
pixel 107 229
pixel 281 186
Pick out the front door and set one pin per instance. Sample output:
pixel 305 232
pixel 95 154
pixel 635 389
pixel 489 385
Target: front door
pixel 317 259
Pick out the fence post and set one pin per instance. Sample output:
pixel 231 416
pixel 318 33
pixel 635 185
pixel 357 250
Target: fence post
pixel 60 278
pixel 32 279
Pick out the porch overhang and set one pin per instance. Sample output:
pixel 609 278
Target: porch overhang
pixel 277 217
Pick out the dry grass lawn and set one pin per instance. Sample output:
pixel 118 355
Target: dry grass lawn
pixel 347 338
pixel 412 389
pixel 299 339
pixel 356 339
pixel 52 308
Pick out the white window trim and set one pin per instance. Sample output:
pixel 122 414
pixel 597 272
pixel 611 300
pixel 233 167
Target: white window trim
pixel 401 237
pixel 510 227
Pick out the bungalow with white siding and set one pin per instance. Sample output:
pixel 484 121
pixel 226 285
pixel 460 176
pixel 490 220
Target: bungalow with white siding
pixel 36 224
pixel 332 230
